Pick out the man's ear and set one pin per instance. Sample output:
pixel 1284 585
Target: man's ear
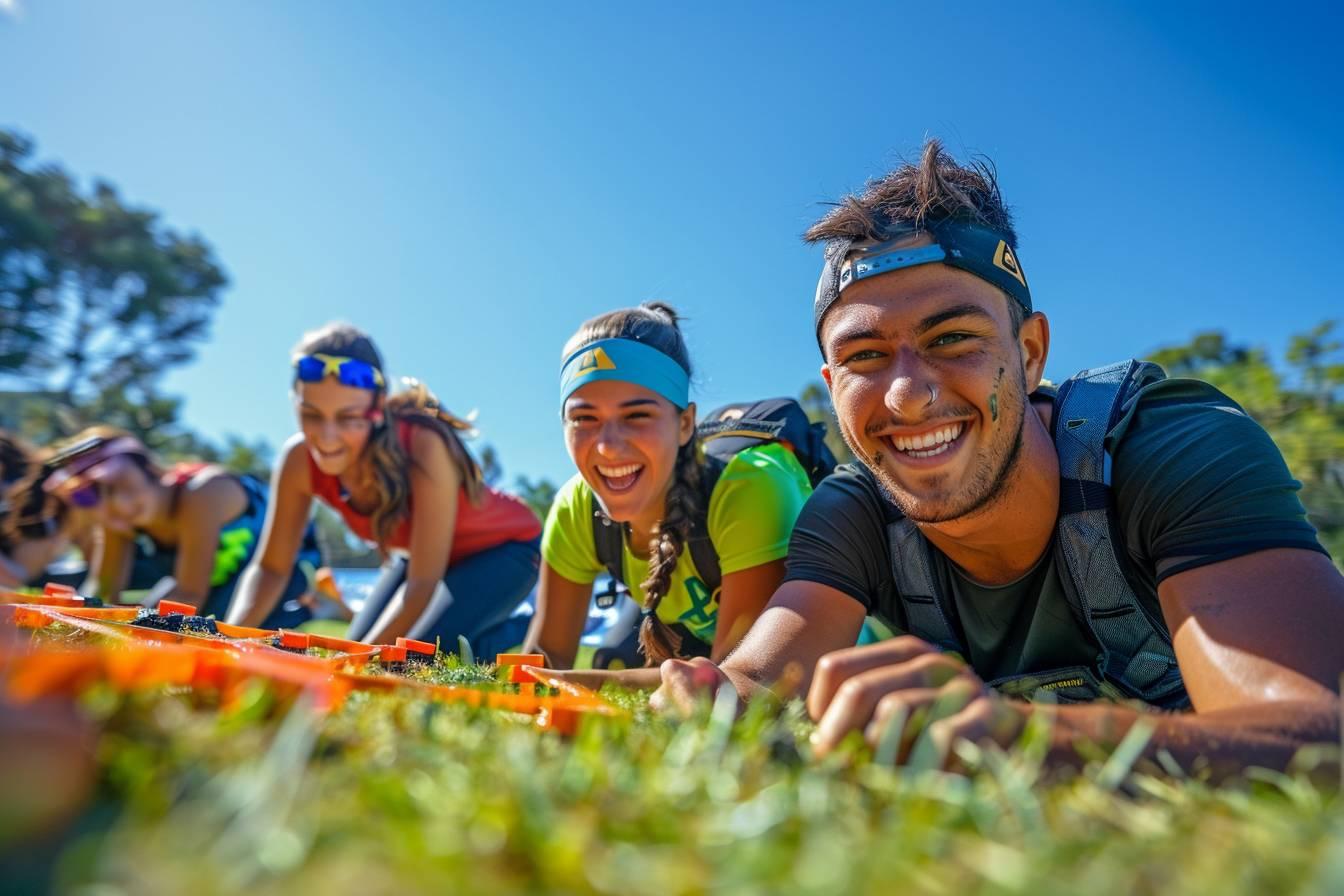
pixel 1033 341
pixel 826 374
pixel 687 424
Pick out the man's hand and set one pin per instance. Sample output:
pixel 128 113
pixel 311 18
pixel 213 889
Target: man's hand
pixel 907 682
pixel 686 683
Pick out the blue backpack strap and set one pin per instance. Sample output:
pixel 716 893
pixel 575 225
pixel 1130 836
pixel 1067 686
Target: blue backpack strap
pixel 1137 653
pixel 913 569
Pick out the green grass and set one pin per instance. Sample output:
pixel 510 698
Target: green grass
pixel 393 794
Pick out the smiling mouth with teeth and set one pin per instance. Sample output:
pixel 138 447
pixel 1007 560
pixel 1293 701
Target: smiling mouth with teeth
pixel 929 444
pixel 618 479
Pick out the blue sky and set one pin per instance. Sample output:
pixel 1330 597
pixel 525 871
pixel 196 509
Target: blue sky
pixel 470 182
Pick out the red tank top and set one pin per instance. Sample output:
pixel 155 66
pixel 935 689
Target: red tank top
pixel 182 473
pixel 500 517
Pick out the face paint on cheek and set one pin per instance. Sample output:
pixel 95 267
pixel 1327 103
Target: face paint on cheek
pixel 994 397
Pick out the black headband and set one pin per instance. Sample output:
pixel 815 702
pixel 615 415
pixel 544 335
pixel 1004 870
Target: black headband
pixel 973 248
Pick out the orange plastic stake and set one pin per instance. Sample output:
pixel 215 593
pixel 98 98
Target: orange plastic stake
pixel 520 659
pixel 294 640
pixel 168 607
pixel 423 647
pixel 520 674
pixel 389 654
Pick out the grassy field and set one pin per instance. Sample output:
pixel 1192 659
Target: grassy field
pixel 397 795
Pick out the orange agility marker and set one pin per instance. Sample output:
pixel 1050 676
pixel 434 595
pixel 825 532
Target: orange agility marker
pixel 169 607
pixel 423 648
pixel 520 659
pixel 101 648
pixel 293 641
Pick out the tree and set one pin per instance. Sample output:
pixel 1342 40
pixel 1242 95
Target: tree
pixel 98 298
pixel 816 403
pixel 538 495
pixel 492 469
pixel 1302 409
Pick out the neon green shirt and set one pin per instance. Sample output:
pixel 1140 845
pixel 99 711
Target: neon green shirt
pixel 751 514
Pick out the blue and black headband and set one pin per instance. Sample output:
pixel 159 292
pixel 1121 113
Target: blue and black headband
pixel 629 361
pixel 972 247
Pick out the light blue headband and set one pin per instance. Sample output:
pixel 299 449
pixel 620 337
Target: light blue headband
pixel 630 362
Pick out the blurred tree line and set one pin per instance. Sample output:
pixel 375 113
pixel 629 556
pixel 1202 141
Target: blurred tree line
pixel 98 300
pixel 1301 406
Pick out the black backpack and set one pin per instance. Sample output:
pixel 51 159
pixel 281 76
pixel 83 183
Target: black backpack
pixel 1137 659
pixel 723 432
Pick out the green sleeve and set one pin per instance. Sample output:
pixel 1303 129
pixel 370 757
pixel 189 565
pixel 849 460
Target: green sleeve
pixel 567 541
pixel 754 505
pixel 1196 481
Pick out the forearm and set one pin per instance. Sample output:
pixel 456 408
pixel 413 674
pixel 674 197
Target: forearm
pixel 402 611
pixel 12 573
pixel 256 595
pixel 1229 740
pixel 762 663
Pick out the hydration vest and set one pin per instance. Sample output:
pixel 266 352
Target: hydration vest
pixel 1137 659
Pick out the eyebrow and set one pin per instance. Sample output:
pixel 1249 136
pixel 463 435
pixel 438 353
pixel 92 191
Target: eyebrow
pixel 845 338
pixel 348 409
pixel 579 404
pixel 964 310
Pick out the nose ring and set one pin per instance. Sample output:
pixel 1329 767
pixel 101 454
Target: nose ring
pixel 933 394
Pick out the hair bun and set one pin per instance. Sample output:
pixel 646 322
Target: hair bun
pixel 660 307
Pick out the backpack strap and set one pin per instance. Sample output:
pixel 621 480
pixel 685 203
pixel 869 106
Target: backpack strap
pixel 913 569
pixel 608 539
pixel 1136 650
pixel 703 553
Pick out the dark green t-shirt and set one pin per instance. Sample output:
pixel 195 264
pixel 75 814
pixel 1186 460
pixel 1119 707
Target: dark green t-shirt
pixel 1194 481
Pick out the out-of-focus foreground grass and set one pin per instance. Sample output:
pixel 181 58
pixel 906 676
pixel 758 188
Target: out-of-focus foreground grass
pixel 391 794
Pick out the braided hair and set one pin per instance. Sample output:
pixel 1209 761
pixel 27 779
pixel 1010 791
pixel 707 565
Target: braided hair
pixel 657 324
pixel 387 457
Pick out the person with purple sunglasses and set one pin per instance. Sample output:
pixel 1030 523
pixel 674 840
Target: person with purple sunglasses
pixel 187 530
pixel 461 555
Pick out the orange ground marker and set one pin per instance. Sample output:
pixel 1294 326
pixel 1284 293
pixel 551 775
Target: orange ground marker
pixel 131 657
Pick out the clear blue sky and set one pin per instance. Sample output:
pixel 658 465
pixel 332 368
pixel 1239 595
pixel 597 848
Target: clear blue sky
pixel 470 181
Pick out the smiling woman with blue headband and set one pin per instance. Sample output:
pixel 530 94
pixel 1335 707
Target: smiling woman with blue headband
pixel 394 467
pixel 630 429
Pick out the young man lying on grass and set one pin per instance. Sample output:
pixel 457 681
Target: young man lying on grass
pixel 1129 537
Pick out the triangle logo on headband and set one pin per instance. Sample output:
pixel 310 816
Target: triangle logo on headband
pixel 594 360
pixel 1005 260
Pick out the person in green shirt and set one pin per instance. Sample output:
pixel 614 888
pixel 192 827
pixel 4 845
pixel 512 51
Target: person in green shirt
pixel 1127 536
pixel 630 429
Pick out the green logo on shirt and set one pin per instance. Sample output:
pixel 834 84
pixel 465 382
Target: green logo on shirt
pixel 703 614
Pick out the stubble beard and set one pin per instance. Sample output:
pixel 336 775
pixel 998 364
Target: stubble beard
pixel 943 501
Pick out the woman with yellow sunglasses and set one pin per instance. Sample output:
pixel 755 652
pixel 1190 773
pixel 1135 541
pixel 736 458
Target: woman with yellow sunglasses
pixel 394 467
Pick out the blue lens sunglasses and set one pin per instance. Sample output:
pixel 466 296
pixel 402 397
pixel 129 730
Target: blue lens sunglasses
pixel 348 371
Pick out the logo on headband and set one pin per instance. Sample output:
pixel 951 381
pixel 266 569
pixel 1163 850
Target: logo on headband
pixel 1005 260
pixel 593 359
